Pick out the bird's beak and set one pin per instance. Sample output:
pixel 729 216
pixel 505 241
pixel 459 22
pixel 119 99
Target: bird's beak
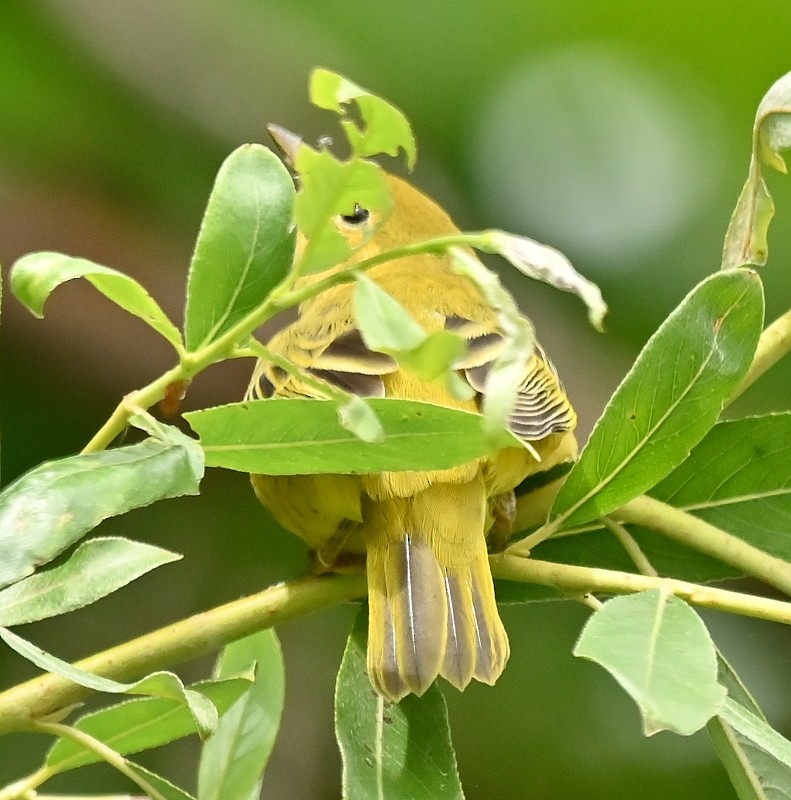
pixel 287 142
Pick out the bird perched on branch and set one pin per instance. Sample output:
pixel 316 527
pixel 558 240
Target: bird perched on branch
pixel 432 607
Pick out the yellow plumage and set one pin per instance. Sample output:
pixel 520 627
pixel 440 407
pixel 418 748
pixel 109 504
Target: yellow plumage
pixel 431 598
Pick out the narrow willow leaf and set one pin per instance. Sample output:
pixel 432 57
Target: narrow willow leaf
pixel 33 277
pixel 544 263
pixel 758 731
pixel 96 568
pixel 157 684
pixel 328 188
pixel 356 416
pixel 57 503
pixel 670 399
pixel 398 751
pixel 298 437
pixel 245 245
pixel 746 240
pixel 385 129
pixel 508 370
pixel 754 773
pixel 386 326
pixel 659 651
pixel 142 723
pixel 739 479
pixel 166 789
pixel 233 760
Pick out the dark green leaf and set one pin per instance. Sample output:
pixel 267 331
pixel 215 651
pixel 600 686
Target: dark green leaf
pixel 245 245
pixel 296 437
pixel 57 503
pixel 670 398
pixel 233 759
pixel 660 652
pixel 142 724
pixel 34 276
pixel 157 684
pixel 329 187
pixel 385 130
pixel 96 568
pixel 398 751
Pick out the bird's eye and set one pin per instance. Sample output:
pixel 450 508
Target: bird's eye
pixel 358 217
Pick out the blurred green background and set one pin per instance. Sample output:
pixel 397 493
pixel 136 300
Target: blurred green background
pixel 618 132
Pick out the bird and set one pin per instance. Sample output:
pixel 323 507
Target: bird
pixel 424 536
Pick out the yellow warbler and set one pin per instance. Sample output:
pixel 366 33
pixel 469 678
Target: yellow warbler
pixel 424 535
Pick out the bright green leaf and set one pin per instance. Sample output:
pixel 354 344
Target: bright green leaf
pixel 245 245
pixel 659 651
pixel 57 503
pixel 386 326
pixel 233 759
pixel 97 568
pixel 328 188
pixel 157 684
pixel 398 751
pixel 33 277
pixel 164 787
pixel 670 399
pixel 356 416
pixel 758 731
pixel 297 437
pixel 385 129
pixel 142 723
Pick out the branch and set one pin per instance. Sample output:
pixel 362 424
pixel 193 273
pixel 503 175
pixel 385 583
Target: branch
pixel 184 640
pixel 775 342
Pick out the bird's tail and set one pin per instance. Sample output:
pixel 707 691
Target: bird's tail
pixel 431 598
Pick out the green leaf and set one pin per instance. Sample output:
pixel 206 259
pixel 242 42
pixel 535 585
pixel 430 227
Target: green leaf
pixel 390 750
pixel 508 370
pixel 739 479
pixel 34 276
pixel 670 399
pixel 142 724
pixel 386 326
pixel 659 651
pixel 754 773
pixel 57 503
pixel 245 245
pixel 328 188
pixel 164 787
pixel 96 568
pixel 233 759
pixel 299 437
pixel 157 684
pixel 385 128
pixel 356 416
pixel 757 731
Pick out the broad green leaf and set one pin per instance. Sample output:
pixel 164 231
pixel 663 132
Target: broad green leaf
pixel 758 731
pixel 398 751
pixel 142 723
pixel 298 437
pixel 356 416
pixel 33 277
pixel 739 479
pixel 49 508
pixel 165 789
pixel 157 684
pixel 659 651
pixel 328 188
pixel 746 238
pixel 233 759
pixel 754 773
pixel 508 371
pixel 669 400
pixel 97 568
pixel 245 245
pixel 386 326
pixel 544 263
pixel 385 129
